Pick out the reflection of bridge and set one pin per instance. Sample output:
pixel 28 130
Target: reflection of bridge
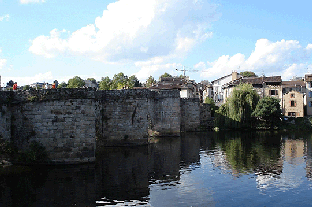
pixel 71 123
pixel 118 175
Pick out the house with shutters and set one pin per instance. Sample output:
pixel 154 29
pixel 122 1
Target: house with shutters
pixel 293 104
pixel 294 98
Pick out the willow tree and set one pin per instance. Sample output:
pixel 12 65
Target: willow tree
pixel 236 112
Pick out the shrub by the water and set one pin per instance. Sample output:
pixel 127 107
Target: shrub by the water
pixel 35 154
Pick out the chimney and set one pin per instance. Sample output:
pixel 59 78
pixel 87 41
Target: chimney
pixel 234 75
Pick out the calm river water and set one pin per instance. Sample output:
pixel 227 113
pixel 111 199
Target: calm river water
pixel 197 169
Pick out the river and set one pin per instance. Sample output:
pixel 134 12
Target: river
pixel 197 169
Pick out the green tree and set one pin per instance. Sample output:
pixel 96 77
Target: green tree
pixel 236 111
pixel 150 81
pixel 133 82
pixel 119 81
pixel 92 80
pixel 105 83
pixel 213 107
pixel 248 74
pixel 62 85
pixel 75 82
pixel 165 75
pixel 268 110
pixel 26 87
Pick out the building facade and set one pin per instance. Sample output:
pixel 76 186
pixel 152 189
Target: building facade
pixel 293 104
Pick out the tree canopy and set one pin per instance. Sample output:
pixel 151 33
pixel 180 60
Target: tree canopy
pixel 119 81
pixel 248 74
pixel 105 83
pixel 238 107
pixel 62 85
pixel 92 80
pixel 165 75
pixel 75 82
pixel 268 110
pixel 150 81
pixel 213 107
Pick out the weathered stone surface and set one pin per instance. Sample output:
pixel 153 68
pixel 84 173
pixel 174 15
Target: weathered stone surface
pixel 70 123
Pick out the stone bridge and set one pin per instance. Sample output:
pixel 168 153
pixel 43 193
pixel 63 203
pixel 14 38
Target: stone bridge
pixel 71 123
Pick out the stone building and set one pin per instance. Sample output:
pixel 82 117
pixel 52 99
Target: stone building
pixel 188 88
pixel 264 86
pixel 293 104
pixel 308 82
pixel 220 95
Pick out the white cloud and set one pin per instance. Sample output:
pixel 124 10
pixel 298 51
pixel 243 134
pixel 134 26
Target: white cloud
pixel 2 61
pixel 31 1
pixel 155 67
pixel 137 30
pixel 40 77
pixel 286 57
pixel 5 17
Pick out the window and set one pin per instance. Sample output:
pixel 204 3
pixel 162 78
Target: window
pixel 292 95
pixel 310 103
pixel 293 103
pixel 292 114
pixel 273 92
pixel 310 94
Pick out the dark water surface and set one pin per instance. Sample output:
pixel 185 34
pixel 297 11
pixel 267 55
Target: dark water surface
pixel 198 169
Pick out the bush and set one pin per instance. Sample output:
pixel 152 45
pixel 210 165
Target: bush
pixel 35 154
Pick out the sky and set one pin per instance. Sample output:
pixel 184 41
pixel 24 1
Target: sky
pixel 47 40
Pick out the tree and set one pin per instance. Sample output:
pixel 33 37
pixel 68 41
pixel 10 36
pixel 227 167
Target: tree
pixel 238 108
pixel 248 74
pixel 269 111
pixel 150 81
pixel 133 82
pixel 119 81
pixel 105 83
pixel 165 75
pixel 75 82
pixel 62 85
pixel 26 87
pixel 213 107
pixel 92 80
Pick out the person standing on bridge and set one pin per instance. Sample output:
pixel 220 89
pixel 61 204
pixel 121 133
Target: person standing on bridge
pixel 15 86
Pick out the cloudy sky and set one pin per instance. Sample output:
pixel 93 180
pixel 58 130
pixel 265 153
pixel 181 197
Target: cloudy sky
pixel 44 40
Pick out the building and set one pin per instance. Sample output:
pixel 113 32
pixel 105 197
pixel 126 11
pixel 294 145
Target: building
pixel 90 84
pixel 207 90
pixel 293 104
pixel 308 82
pixel 219 95
pixel 188 88
pixel 264 86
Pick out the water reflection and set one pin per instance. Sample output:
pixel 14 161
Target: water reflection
pixel 196 169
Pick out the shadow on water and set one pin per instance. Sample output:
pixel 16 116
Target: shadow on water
pixel 125 175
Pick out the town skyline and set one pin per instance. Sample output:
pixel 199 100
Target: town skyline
pixel 44 40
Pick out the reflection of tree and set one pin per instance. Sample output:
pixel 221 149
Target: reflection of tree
pixel 250 151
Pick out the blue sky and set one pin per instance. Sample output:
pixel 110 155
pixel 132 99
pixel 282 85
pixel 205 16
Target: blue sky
pixel 44 40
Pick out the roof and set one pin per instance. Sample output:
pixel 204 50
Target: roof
pixel 308 77
pixel 221 78
pixel 255 80
pixel 289 84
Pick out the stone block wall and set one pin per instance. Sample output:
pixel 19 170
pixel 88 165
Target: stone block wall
pixel 122 117
pixel 65 128
pixel 70 123
pixel 190 109
pixel 206 122
pixel 166 113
